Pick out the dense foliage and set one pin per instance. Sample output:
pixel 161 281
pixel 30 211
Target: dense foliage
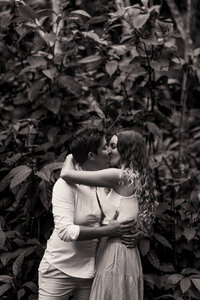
pixel 118 67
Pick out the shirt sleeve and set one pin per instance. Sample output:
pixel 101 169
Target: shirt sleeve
pixel 63 211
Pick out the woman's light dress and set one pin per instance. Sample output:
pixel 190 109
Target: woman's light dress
pixel 118 268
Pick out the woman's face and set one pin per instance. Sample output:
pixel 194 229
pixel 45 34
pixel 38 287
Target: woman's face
pixel 113 152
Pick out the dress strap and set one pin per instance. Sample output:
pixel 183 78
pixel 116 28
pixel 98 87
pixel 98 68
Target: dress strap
pixel 102 213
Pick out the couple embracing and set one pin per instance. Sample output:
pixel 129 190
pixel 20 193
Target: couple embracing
pixel 92 252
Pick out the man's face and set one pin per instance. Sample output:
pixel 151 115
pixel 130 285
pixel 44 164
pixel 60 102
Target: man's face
pixel 102 158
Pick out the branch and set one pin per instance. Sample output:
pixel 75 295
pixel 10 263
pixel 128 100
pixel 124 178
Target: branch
pixel 177 17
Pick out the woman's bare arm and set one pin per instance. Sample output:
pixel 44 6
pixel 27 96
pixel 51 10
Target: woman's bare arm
pixel 102 178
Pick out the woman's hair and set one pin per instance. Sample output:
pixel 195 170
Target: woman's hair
pixel 135 163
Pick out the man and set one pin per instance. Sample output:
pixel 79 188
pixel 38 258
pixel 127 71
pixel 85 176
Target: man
pixel 68 263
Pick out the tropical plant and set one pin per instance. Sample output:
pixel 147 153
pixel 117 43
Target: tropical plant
pixel 118 66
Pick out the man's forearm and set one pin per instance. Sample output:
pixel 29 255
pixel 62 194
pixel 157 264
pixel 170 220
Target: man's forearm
pixel 89 233
pixel 113 229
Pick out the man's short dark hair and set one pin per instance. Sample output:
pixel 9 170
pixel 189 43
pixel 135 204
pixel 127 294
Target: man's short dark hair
pixel 85 140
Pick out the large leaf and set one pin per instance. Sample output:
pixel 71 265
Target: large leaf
pixel 140 20
pixel 34 90
pixel 48 169
pixel 111 67
pixel 4 288
pixel 6 278
pixel 144 246
pixel 6 180
pixel 50 73
pixel 185 284
pixel 7 256
pixel 153 128
pixel 153 259
pixel 53 105
pixel 80 12
pixel 196 282
pixel 190 271
pixel 2 238
pixel 174 279
pixel 20 177
pixel 42 175
pixel 20 194
pixel 37 61
pixel 20 294
pixel 90 59
pixel 17 266
pixel 145 3
pixel 162 240
pixel 70 84
pixel 31 285
pixel 189 233
pixel 45 194
pixel 95 37
pixel 27 12
pixel 167 268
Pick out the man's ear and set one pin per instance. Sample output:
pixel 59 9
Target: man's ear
pixel 91 156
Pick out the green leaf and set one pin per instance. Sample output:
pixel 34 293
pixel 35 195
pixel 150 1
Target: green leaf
pixel 31 285
pixel 34 90
pixel 196 282
pixel 50 73
pixel 80 12
pixel 27 12
pixel 153 259
pixel 6 278
pixel 48 169
pixel 70 84
pixel 153 128
pixel 7 256
pixel 167 268
pixel 4 288
pixel 92 35
pixel 2 238
pixel 140 20
pixel 162 240
pixel 111 67
pixel 20 194
pixel 189 233
pixel 185 284
pixel 53 105
pixel 42 175
pixel 20 294
pixel 6 180
pixel 20 177
pixel 145 3
pixel 37 61
pixel 144 246
pixel 174 279
pixel 17 265
pixel 179 202
pixel 189 271
pixel 90 59
pixel 45 194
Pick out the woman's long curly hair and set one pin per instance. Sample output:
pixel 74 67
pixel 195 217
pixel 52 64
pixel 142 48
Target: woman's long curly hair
pixel 134 160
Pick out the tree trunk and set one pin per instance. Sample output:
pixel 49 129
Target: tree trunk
pixel 177 17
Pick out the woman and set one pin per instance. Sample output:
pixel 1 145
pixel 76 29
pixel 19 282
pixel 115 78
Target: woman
pixel 118 269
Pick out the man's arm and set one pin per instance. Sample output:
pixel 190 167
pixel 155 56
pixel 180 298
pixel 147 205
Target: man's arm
pixel 132 239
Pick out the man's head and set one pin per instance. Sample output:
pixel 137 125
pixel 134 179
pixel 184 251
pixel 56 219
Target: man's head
pixel 88 147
